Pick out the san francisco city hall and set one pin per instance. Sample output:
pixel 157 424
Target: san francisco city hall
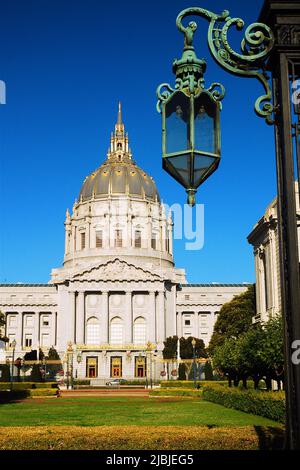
pixel 118 289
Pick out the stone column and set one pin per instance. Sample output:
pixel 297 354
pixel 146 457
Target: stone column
pixel 105 318
pixel 71 322
pixel 80 318
pixel 128 318
pixel 171 311
pixel 196 324
pixel 179 324
pixel 20 332
pixel 274 270
pixel 152 337
pixel 160 318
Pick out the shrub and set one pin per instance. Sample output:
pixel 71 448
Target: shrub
pixel 42 392
pixel 5 373
pixel 7 396
pixel 181 372
pixel 27 385
pixel 36 375
pixel 82 382
pixel 140 437
pixel 188 383
pixel 268 404
pixel 179 392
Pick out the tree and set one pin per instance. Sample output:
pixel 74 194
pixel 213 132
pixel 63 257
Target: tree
pixel 235 318
pixel 36 375
pixel 186 348
pixel 53 368
pixel 257 353
pixel 170 347
pixel 5 373
pixel 208 371
pixel 2 324
pixel 181 372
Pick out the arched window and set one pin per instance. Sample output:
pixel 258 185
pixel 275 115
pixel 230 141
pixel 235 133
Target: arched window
pixel 139 331
pixel 116 331
pixel 93 331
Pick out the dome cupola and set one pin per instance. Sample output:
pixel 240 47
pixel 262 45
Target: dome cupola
pixel 119 175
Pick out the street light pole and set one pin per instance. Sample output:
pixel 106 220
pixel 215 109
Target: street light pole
pixel 194 362
pixel 14 343
pixel 258 44
pixel 284 63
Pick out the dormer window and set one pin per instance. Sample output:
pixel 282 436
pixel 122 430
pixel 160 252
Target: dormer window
pixel 138 239
pixel 153 241
pixel 82 235
pixel 118 238
pixel 99 239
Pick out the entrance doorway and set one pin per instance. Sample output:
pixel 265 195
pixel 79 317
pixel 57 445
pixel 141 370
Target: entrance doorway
pixel 140 366
pixel 116 367
pixel 91 367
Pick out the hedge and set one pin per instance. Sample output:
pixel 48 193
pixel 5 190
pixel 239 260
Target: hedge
pixel 27 385
pixel 179 392
pixel 188 383
pixel 140 437
pixel 268 404
pixel 42 392
pixel 86 382
pixel 7 396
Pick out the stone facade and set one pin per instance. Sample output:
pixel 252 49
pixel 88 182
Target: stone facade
pixel 264 238
pixel 118 289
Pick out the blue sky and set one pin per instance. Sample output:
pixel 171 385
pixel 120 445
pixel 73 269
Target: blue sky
pixel 66 64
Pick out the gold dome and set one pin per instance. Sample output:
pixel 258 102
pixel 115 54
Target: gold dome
pixel 119 174
pixel 119 178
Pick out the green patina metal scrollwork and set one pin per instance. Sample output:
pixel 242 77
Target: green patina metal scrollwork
pixel 256 45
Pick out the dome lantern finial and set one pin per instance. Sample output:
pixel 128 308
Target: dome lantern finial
pixel 120 121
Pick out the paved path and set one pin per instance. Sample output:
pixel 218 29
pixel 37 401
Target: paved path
pixel 106 392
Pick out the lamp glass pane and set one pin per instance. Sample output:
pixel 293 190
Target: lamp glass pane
pixel 177 123
pixel 205 124
pixel 201 164
pixel 181 166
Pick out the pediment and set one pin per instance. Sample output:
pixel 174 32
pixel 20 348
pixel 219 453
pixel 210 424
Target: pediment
pixel 116 270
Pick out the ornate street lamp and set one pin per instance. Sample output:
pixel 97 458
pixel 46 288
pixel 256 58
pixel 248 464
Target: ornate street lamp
pixel 191 147
pixel 257 45
pixel 70 353
pixel 79 360
pixel 194 362
pixel 13 345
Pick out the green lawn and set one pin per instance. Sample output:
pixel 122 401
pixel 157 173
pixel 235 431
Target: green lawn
pixel 122 411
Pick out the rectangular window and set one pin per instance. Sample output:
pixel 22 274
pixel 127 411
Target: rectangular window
pixel 118 238
pixel 12 320
pixel 45 339
pixel 167 243
pixel 99 240
pixel 138 239
pixel 153 241
pixel 82 235
pixel 28 341
pixel 29 320
pixel 45 321
pixel 187 322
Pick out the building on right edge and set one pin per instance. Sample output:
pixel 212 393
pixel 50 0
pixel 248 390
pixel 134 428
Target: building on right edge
pixel 264 239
